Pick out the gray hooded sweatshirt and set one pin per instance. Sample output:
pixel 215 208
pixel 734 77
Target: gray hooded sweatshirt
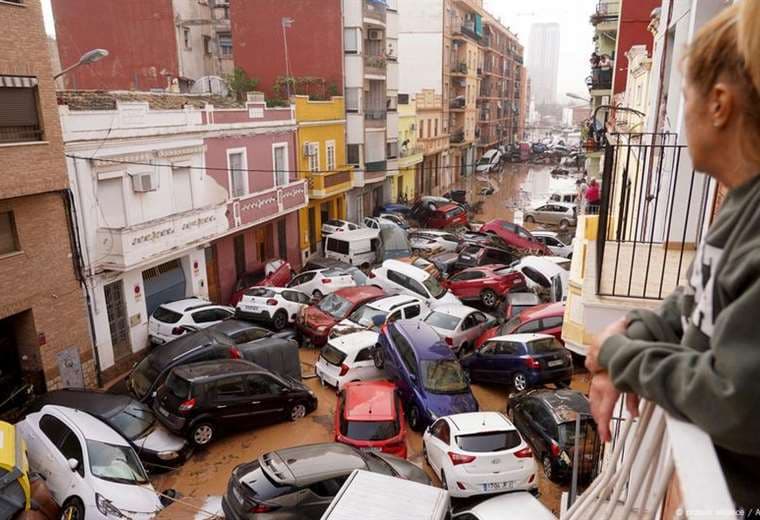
pixel 698 357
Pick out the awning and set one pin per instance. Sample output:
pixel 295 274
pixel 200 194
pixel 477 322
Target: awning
pixel 18 81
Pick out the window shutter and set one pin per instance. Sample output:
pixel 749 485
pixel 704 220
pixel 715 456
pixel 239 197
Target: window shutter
pixel 18 107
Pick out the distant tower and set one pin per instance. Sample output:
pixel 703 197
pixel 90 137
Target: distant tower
pixel 543 61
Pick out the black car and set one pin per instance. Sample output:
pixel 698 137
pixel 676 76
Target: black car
pixel 299 483
pixel 231 339
pixel 475 255
pixel 546 418
pixel 200 399
pixel 157 448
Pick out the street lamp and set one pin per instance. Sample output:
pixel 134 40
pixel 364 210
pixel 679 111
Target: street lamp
pixel 87 58
pixel 576 96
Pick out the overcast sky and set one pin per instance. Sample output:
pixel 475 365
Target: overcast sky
pixel 572 15
pixel 575 34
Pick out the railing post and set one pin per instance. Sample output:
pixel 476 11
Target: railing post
pixel 604 209
pixel 574 484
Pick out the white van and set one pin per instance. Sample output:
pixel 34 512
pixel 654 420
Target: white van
pixel 373 496
pixel 358 247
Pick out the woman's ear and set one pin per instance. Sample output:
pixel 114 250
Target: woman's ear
pixel 721 105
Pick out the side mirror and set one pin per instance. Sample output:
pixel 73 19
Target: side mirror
pixel 73 464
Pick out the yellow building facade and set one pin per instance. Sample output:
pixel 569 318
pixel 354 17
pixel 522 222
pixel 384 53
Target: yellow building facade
pixel 410 155
pixel 322 161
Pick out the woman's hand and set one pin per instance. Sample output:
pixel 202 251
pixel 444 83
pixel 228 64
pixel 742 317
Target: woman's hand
pixel 592 356
pixel 603 396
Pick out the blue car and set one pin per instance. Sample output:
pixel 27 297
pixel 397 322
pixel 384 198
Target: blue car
pixel 429 378
pixel 522 360
pixel 399 209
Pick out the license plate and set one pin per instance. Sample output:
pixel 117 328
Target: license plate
pixel 252 308
pixel 371 449
pixel 498 486
pixel 556 363
pixel 237 494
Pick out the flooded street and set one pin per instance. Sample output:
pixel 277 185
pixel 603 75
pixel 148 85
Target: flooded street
pixel 204 477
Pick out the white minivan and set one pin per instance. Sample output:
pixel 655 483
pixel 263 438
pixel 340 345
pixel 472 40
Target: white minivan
pixel 358 247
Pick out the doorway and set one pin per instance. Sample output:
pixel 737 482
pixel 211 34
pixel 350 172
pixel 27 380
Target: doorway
pixel 282 239
pixel 116 309
pixel 212 275
pixel 163 283
pixel 312 230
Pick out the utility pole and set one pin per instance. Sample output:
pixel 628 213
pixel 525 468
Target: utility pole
pixel 287 23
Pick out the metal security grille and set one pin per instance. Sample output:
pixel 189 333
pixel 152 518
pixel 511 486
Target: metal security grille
pixel 117 319
pixel 163 283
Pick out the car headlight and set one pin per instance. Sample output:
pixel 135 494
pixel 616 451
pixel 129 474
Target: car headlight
pixel 167 455
pixel 106 508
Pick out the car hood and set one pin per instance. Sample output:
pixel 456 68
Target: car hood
pixel 347 327
pixel 314 318
pixel 135 501
pixel 160 439
pixel 448 299
pixel 450 404
pixel 405 469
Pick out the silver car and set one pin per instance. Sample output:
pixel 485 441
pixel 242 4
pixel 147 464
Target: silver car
pixel 433 240
pixel 459 325
pixel 559 214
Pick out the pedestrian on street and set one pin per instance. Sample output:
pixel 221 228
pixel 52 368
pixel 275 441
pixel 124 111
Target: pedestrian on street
pixel 593 197
pixel 697 357
pixel 580 191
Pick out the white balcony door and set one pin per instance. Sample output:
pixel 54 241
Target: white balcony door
pixel 237 166
pixel 111 214
pixel 182 192
pixel 280 161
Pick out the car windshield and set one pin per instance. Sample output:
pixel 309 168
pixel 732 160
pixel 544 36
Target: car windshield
pixel 143 376
pixel 115 463
pixel 333 355
pixel 444 376
pixel 366 316
pixel 489 441
pixel 442 320
pixel 546 346
pixel 164 315
pixel 434 288
pixel 134 420
pixel 369 430
pixel 336 306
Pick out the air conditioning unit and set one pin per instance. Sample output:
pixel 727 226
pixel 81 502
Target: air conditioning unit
pixel 310 149
pixel 375 34
pixel 144 181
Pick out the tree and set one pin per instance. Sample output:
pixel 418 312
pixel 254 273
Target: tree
pixel 240 83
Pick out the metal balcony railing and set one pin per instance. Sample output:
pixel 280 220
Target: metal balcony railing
pixel 457 103
pixel 375 115
pixel 20 134
pixel 599 79
pixel 459 68
pixel 457 137
pixel 375 62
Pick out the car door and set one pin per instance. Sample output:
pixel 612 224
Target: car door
pixel 294 302
pixel 526 416
pixel 268 397
pixel 364 366
pixel 405 368
pixel 546 427
pixel 478 326
pixel 229 401
pixel 438 444
pixel 507 361
pixel 59 443
pixel 303 282
pixel 553 326
pixel 318 496
pixel 467 284
pixel 483 367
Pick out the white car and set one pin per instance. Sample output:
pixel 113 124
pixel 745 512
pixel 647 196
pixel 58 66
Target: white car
pixel 326 281
pixel 348 358
pixel 459 325
pixel 517 506
pixel 335 225
pixel 396 277
pixel 551 240
pixel 489 161
pixel 541 271
pixel 278 306
pixel 92 471
pixel 171 320
pixel 433 241
pixel 375 222
pixel 371 316
pixel 479 453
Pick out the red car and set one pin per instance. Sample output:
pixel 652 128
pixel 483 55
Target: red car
pixel 318 320
pixel 278 276
pixel 447 216
pixel 487 283
pixel 541 319
pixel 516 236
pixel 369 416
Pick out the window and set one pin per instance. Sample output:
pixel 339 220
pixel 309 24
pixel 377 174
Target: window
pixel 391 150
pixel 232 387
pixel 353 152
pixel 225 44
pixel 207 45
pixel 186 38
pixel 429 126
pixel 19 120
pixel 182 189
pixel 314 158
pixel 237 166
pixel 8 236
pixel 441 431
pixel 353 99
pixel 436 128
pixel 412 311
pixel 280 160
pixel 263 385
pixel 364 354
pixel 53 429
pixel 351 40
pixel 422 130
pixel 531 326
pixel 71 448
pixel 337 246
pixel 550 323
pixel 239 247
pixel 331 161
pixel 210 315
pixel 328 488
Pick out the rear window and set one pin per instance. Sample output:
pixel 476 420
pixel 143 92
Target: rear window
pixel 369 430
pixel 489 441
pixel 337 246
pixel 332 355
pixel 442 321
pixel 179 387
pixel 165 315
pixel 545 346
pixel 260 292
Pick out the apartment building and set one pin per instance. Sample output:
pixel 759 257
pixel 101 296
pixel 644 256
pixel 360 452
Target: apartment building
pixel 44 336
pixel 153 44
pixel 410 152
pixel 543 61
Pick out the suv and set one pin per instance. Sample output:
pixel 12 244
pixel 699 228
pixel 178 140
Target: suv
pixel 199 399
pixel 514 235
pixel 447 216
pixel 560 214
pixel 488 284
pixel 173 319
pixel 429 378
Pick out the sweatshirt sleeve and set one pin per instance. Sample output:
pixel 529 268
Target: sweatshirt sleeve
pixel 715 389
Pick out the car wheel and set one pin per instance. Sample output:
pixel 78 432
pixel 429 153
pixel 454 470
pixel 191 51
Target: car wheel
pixel 415 421
pixel 489 298
pixel 444 485
pixel 519 382
pixel 202 433
pixel 280 320
pixel 317 294
pixel 548 468
pixel 73 509
pixel 377 357
pixel 529 219
pixel 564 224
pixel 297 412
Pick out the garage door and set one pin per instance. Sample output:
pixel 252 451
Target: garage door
pixel 163 283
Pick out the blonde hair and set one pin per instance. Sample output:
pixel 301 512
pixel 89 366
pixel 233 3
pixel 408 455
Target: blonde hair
pixel 728 46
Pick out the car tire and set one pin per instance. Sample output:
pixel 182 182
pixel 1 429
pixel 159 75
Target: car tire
pixel 549 470
pixel 529 219
pixel 297 411
pixel 519 382
pixel 279 320
pixel 378 358
pixel 317 294
pixel 489 298
pixel 202 434
pixel 73 509
pixel 415 421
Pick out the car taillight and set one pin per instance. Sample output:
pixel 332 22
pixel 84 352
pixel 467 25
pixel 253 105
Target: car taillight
pixel 272 301
pixel 178 331
pixel 450 341
pixel 235 353
pixel 188 405
pixel 457 459
pixel 531 363
pixel 326 280
pixel 263 508
pixel 343 369
pixel 555 449
pixel 524 453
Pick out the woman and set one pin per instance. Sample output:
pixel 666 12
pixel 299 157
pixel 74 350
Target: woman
pixel 699 356
pixel 593 197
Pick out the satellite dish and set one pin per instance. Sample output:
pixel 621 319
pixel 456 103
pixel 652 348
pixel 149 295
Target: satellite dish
pixel 210 85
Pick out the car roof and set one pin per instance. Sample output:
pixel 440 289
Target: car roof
pixel 202 370
pixel 520 504
pixel 479 422
pixel 545 310
pixel 390 303
pixel 355 341
pixel 361 293
pixel 101 404
pixel 303 465
pixel 229 327
pixel 89 427
pixel 410 270
pixel 356 234
pixel 521 338
pixel 538 233
pixel 370 401
pixel 186 304
pixel 565 403
pixel 425 341
pixel 456 310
